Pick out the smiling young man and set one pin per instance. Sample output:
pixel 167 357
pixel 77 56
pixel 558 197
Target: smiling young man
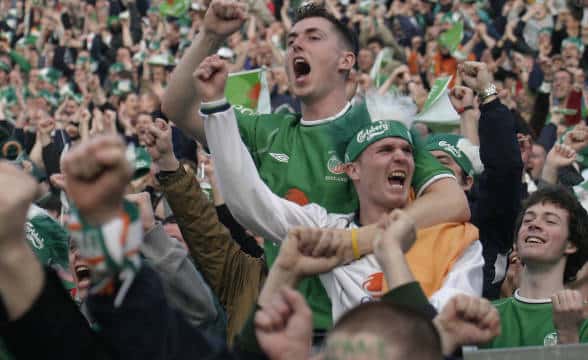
pixel 300 156
pixel 552 244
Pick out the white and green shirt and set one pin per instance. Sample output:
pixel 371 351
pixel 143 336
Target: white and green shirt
pixel 302 162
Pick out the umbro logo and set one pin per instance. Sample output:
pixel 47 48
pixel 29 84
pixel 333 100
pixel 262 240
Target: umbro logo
pixel 280 157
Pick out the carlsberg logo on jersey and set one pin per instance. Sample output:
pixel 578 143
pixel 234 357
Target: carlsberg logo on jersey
pixel 371 132
pixel 450 148
pixel 335 165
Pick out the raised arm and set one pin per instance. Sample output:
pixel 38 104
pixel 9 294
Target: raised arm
pixel 181 99
pixel 250 200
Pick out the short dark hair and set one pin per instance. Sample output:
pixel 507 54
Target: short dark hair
pixel 375 39
pixel 563 198
pixel 409 334
pixel 311 10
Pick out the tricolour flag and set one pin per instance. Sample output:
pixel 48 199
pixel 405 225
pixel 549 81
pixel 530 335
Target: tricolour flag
pixel 250 90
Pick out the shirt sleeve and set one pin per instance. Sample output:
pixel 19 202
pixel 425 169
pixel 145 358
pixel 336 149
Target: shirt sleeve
pixel 250 200
pixel 427 169
pixel 465 277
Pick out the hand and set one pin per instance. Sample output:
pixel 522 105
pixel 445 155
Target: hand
pixel 327 242
pixel 568 315
pixel 224 17
pixel 461 96
pixel 292 260
pixel 210 78
pixel 466 320
pixel 19 191
pixel 143 201
pixel 577 139
pixel 397 232
pixel 96 175
pixel 475 75
pixel 284 326
pixel 559 156
pixel 46 125
pixel 158 140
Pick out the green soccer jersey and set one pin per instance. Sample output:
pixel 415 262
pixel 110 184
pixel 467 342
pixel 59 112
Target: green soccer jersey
pixel 303 162
pixel 527 322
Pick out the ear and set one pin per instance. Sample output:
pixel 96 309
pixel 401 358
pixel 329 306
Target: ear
pixel 571 248
pixel 352 170
pixel 469 183
pixel 346 61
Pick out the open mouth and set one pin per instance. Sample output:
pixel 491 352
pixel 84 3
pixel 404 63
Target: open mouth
pixel 396 179
pixel 82 274
pixel 534 240
pixel 301 68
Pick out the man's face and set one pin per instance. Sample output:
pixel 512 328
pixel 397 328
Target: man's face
pixel 132 104
pixel 543 235
pixel 536 161
pixel 365 60
pixel 123 55
pixel 447 161
pixel 79 269
pixel 315 59
pixel 383 172
pixel 159 74
pixel 562 85
pixel 374 47
pixel 571 55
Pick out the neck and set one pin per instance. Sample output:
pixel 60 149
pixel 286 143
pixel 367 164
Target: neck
pixel 321 108
pixel 541 281
pixel 370 213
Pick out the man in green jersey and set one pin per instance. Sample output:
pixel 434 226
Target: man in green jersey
pixel 552 244
pixel 300 157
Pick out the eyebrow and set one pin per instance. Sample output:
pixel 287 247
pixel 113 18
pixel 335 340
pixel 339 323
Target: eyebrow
pixel 293 34
pixel 547 213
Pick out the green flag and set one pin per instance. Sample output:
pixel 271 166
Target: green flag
pixel 174 8
pixel 451 38
pixel 249 89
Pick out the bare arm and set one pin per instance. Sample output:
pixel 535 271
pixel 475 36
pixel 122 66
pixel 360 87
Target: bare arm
pixel 426 210
pixel 181 99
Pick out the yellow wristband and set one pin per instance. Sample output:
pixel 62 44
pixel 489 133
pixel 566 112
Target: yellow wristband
pixel 354 245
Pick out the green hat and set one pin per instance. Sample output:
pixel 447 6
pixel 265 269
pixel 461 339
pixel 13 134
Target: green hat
pixel 450 144
pixel 116 68
pixel 51 98
pixel 546 30
pixel 142 162
pixel 29 40
pixel 577 42
pixel 4 66
pixel 67 92
pixel 373 132
pixel 50 75
pixel 122 87
pixel 48 239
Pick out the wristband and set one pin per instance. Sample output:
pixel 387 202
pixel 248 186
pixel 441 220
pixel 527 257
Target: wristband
pixel 354 245
pixel 111 250
pixel 465 108
pixel 211 107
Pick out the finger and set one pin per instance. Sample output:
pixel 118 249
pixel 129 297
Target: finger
pixel 263 321
pixel 161 124
pixel 296 302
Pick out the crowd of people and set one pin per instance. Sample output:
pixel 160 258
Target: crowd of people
pixel 145 214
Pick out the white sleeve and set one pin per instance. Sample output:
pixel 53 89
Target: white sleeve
pixel 248 198
pixel 465 277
